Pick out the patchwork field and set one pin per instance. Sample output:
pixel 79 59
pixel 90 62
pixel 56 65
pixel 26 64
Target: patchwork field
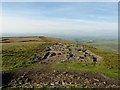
pixel 43 62
pixel 106 45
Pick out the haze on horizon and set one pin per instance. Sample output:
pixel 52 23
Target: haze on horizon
pixel 83 18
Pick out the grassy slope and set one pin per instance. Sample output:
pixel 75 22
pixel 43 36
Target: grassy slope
pixel 17 54
pixel 109 66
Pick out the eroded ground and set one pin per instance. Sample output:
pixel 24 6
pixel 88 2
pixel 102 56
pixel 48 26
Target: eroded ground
pixel 66 79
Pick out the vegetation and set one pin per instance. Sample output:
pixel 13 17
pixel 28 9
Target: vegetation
pixel 18 56
pixel 15 56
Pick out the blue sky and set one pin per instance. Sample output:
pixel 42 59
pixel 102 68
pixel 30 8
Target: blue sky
pixel 60 17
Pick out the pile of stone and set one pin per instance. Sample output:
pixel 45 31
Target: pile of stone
pixel 61 53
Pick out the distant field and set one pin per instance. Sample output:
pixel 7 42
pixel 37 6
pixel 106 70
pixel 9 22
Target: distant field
pixel 102 43
pixel 106 45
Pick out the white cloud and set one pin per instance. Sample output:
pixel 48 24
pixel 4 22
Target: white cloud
pixel 22 25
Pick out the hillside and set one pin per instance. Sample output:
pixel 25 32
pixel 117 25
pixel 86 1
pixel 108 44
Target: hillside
pixel 41 62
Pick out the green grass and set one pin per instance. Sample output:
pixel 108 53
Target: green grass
pixel 113 73
pixel 108 66
pixel 18 55
pixel 15 56
pixel 110 60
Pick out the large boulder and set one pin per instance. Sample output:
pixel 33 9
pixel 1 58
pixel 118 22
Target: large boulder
pixel 94 59
pixel 46 55
pixel 52 54
pixel 88 52
pixel 81 56
pixel 84 50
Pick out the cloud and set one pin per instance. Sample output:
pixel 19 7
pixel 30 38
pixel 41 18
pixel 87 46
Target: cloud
pixel 88 11
pixel 70 26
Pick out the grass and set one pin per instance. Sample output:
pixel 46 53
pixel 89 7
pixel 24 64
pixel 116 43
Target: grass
pixel 110 60
pixel 18 55
pixel 113 73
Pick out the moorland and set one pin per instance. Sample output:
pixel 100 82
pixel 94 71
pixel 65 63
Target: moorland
pixel 45 62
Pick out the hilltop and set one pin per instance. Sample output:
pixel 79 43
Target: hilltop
pixel 53 62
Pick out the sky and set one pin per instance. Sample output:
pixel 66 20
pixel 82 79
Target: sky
pixel 67 18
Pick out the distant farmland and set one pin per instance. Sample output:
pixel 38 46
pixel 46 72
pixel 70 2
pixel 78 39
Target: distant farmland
pixel 106 45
